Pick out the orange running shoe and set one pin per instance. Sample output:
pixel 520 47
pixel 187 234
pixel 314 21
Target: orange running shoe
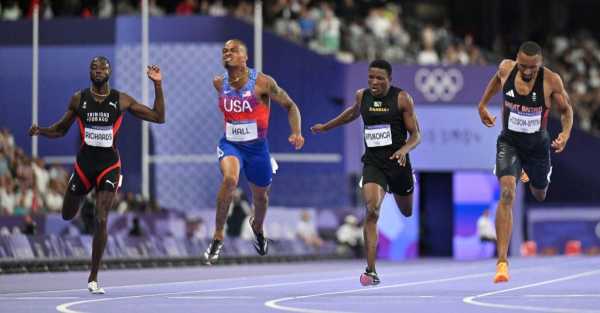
pixel 501 273
pixel 524 177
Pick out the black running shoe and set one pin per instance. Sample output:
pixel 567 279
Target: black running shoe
pixel 369 278
pixel 211 255
pixel 261 244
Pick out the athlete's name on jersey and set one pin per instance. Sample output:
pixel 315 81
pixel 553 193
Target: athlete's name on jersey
pixel 524 122
pixel 240 131
pixel 236 105
pixel 377 136
pixel 97 117
pixel 98 136
pixel 372 109
pixel 522 108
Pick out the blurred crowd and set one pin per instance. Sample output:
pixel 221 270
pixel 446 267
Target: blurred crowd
pixel 577 59
pixel 28 186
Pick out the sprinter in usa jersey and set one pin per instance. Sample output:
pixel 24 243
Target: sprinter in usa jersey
pixel 244 100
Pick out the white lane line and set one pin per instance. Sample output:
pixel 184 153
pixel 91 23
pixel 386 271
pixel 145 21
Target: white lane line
pixel 39 298
pixel 471 299
pixel 64 308
pixel 237 279
pixel 274 304
pixel 212 297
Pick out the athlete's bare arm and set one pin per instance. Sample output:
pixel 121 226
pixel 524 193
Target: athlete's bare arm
pixel 563 104
pixel 61 127
pixel 492 88
pixel 277 93
pixel 157 113
pixel 406 105
pixel 348 115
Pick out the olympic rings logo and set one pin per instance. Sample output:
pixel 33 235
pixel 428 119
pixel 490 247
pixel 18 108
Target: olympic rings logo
pixel 439 84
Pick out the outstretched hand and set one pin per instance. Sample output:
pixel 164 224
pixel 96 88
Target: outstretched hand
pixel 296 140
pixel 560 142
pixel 317 128
pixel 154 73
pixel 487 118
pixel 34 130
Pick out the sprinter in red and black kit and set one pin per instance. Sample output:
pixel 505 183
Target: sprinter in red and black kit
pixel 99 112
pixel 528 90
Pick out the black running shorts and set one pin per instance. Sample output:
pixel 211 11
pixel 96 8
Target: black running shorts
pixel 397 179
pixel 100 170
pixel 514 154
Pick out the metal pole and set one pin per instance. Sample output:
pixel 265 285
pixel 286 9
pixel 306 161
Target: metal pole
pixel 34 75
pixel 145 101
pixel 258 27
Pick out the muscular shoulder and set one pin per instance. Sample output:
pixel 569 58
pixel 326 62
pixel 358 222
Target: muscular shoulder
pixel 552 78
pixel 405 100
pixel 263 80
pixel 75 99
pixel 359 95
pixel 218 82
pixel 505 67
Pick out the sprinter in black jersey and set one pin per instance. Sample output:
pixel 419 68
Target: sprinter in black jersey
pixel 99 111
pixel 528 90
pixel 388 114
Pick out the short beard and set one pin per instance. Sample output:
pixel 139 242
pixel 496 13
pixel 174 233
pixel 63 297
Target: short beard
pixel 99 84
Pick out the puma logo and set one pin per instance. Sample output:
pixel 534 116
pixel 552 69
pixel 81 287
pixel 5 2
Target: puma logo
pixel 111 183
pixel 112 104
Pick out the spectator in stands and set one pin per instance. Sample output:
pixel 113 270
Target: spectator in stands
pixel 8 197
pixel 485 229
pixel 328 30
pixel 350 236
pixel 136 230
pixel 428 55
pixel 196 229
pixel 29 226
pixel 54 197
pixel 307 230
pixel 187 7
pixel 11 10
pixel 42 177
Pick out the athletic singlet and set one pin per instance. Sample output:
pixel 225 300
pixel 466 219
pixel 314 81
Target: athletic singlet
pixel 523 115
pixel 384 130
pixel 99 122
pixel 246 117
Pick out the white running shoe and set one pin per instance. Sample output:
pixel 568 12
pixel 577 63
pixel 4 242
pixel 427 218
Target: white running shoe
pixel 94 289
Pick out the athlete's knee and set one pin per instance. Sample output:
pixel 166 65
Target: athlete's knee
pixel 261 197
pixel 507 195
pixel 230 181
pixel 539 194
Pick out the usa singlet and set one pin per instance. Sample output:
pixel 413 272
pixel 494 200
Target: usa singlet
pixel 246 123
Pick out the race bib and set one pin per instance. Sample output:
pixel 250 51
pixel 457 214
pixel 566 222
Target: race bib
pixel 525 123
pixel 99 136
pixel 378 135
pixel 241 131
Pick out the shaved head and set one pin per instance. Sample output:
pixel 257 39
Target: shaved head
pixel 239 43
